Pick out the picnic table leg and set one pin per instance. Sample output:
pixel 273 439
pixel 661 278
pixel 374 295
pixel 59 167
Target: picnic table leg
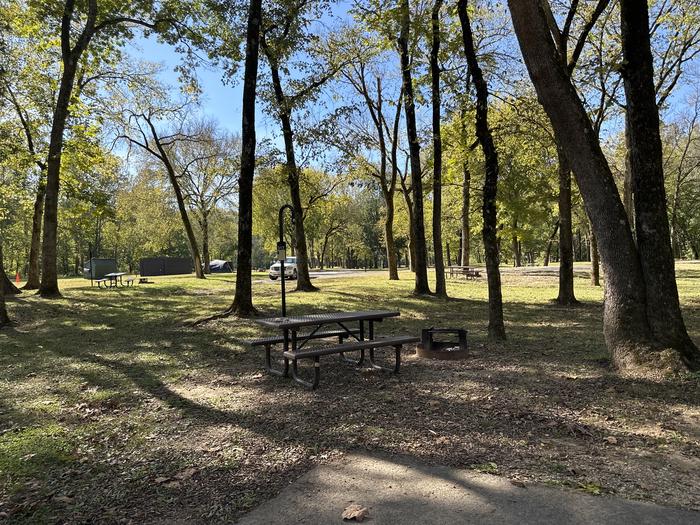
pixel 317 374
pixel 268 363
pixel 362 352
pixel 286 348
pixel 397 363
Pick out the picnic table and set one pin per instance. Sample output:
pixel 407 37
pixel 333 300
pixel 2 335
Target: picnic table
pixel 462 271
pixel 294 343
pixel 112 279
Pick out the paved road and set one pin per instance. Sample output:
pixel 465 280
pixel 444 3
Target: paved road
pixel 326 274
pixel 404 492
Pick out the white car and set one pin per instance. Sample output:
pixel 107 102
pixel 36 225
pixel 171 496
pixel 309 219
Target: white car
pixel 290 269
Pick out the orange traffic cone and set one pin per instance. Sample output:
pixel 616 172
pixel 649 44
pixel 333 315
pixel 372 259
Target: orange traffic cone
pixel 17 278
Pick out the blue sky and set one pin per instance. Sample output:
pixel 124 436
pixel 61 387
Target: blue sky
pixel 220 102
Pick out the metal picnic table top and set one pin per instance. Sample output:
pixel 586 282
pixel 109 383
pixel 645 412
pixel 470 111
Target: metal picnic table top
pixel 291 322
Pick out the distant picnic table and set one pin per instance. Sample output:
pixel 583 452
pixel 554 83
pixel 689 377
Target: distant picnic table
pixel 294 343
pixel 462 271
pixel 113 279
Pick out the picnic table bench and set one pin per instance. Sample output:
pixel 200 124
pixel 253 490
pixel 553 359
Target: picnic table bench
pixel 294 343
pixel 462 271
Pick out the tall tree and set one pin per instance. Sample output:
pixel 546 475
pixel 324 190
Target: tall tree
pixel 569 61
pixel 243 299
pixel 646 163
pixel 97 20
pixel 496 329
pixel 284 34
pixel 141 130
pixel 466 194
pixel 440 288
pixel 361 74
pixel 34 272
pixel 208 165
pixel 421 254
pixel 626 326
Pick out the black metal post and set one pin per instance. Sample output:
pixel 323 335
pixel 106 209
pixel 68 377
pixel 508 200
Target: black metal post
pixel 282 253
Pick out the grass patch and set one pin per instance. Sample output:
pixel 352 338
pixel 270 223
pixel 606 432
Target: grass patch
pixel 106 393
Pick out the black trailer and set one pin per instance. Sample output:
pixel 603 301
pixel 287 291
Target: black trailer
pixel 153 266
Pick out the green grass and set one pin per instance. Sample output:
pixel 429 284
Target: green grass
pixel 104 391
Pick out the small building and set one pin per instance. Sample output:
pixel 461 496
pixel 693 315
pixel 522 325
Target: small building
pixel 153 266
pixel 98 268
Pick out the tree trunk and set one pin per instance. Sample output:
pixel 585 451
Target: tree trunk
pixel 7 286
pixel 205 242
pixel 517 260
pixel 440 287
pixel 420 250
pixel 243 298
pixel 627 196
pixel 303 279
pixel 392 260
pixel 179 198
pixel 595 263
pixel 49 274
pixel 34 266
pixel 411 260
pixel 566 239
pixel 646 160
pixel 466 203
pixel 549 244
pixel 4 317
pixel 497 329
pixel 626 328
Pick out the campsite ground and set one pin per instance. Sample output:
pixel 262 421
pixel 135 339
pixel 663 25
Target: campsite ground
pixel 113 409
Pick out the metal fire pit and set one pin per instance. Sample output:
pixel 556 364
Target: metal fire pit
pixel 446 350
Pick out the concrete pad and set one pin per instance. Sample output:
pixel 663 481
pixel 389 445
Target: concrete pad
pixel 398 491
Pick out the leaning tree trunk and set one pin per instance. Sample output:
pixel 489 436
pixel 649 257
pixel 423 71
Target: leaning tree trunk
pixel 34 271
pixel 566 239
pixel 421 254
pixel 646 161
pixel 181 206
pixel 626 327
pixel 497 329
pixel 243 298
pixel 440 287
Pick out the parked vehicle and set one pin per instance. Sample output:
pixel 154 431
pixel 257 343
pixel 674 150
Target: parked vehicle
pixel 290 269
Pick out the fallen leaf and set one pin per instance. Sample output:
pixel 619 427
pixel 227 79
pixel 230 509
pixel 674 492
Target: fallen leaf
pixel 610 439
pixel 355 512
pixel 161 479
pixel 517 483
